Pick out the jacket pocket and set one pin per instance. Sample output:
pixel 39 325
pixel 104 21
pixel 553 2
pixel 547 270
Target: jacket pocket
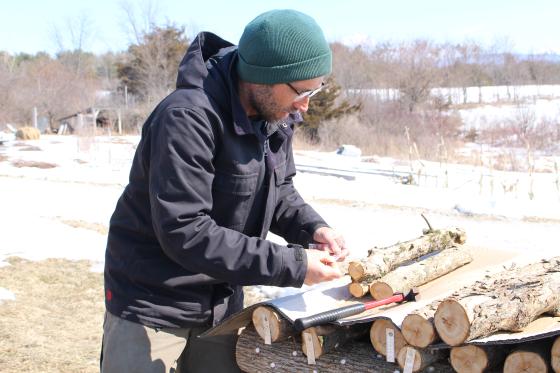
pixel 232 197
pixel 280 174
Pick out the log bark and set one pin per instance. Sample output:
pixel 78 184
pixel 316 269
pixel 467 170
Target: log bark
pixel 286 357
pixel 406 277
pixel 510 306
pixel 421 358
pixel 327 338
pixel 555 355
pixel 381 261
pixel 529 358
pixel 476 359
pixel 270 326
pixel 418 327
pixel 378 336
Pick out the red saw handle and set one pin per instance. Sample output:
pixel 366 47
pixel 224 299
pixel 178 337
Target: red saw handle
pixel 378 303
pixel 333 315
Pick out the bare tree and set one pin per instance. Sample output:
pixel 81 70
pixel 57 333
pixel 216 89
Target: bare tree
pixel 416 71
pixel 537 70
pixel 81 32
pixel 464 65
pixel 141 19
pixel 47 84
pixel 355 67
pixel 8 80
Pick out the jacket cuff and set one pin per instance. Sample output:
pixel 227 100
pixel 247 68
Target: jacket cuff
pixel 294 268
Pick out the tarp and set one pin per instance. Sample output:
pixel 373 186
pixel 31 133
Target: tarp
pixel 334 294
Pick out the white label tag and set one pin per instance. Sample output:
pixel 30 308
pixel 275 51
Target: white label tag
pixel 390 344
pixel 309 348
pixel 409 362
pixel 266 326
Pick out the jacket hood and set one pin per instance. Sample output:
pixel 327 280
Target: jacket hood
pixel 209 64
pixel 205 50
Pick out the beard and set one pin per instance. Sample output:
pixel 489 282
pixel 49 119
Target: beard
pixel 261 99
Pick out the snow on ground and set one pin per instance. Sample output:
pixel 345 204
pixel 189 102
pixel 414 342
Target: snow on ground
pixel 475 95
pixel 5 294
pixel 491 106
pixel 496 94
pixel 50 213
pixel 485 116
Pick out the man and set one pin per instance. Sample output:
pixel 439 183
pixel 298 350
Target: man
pixel 212 174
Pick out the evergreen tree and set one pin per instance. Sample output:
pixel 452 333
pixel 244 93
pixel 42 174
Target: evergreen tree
pixel 324 106
pixel 151 70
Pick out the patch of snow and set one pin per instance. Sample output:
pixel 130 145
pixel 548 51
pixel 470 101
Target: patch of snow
pixel 5 294
pixel 39 206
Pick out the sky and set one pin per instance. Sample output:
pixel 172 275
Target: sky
pixel 523 26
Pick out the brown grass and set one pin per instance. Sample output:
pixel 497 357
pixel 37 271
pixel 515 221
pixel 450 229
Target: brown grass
pixel 3 158
pixel 55 322
pixel 300 142
pixel 28 133
pixel 96 227
pixel 21 163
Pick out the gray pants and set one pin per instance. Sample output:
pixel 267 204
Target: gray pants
pixel 134 348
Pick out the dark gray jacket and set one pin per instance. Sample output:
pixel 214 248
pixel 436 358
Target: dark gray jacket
pixel 188 230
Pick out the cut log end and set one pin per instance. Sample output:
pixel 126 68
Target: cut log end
pixel 459 236
pixel 358 289
pixel 356 271
pixel 524 361
pixel 316 342
pixel 380 290
pixel 452 322
pixel 555 355
pixel 267 321
pixel 419 358
pixel 401 358
pixel 378 333
pixel 469 359
pixel 418 331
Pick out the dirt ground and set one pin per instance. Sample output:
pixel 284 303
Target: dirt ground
pixel 55 322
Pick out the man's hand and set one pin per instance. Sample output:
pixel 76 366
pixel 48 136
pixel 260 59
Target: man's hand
pixel 331 241
pixel 320 267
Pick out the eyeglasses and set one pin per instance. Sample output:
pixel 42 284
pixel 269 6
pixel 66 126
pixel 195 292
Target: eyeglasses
pixel 306 94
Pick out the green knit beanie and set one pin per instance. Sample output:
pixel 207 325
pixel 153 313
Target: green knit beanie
pixel 282 46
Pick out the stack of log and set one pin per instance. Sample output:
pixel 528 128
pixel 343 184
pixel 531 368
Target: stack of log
pixel 506 301
pixel 290 355
pixel 383 272
pixel 531 357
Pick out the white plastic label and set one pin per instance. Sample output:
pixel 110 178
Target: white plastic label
pixel 390 344
pixel 266 326
pixel 310 351
pixel 409 362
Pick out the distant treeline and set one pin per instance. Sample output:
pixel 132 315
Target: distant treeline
pixel 132 81
pixel 145 72
pixel 446 65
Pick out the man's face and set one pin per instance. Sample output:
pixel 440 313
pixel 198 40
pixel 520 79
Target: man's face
pixel 275 102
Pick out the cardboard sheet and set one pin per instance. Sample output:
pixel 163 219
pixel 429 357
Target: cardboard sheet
pixel 335 294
